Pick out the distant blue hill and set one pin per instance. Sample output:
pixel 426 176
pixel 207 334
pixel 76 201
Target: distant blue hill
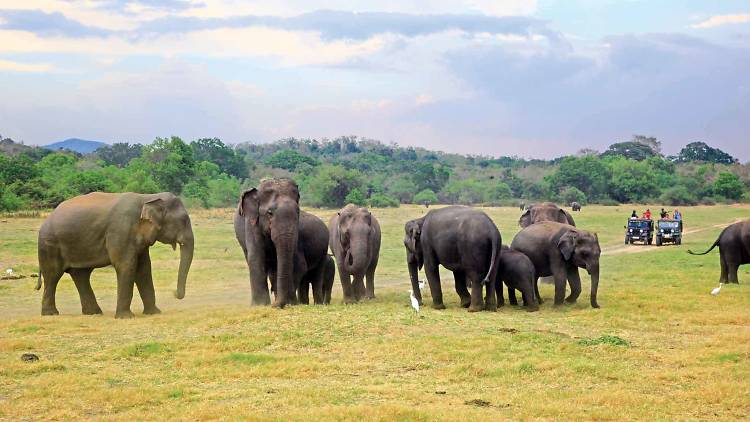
pixel 80 146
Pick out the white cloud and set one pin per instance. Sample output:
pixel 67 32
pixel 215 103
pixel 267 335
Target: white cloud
pixel 10 66
pixel 720 20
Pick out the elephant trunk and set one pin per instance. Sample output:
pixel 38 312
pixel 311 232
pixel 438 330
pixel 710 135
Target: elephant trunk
pixel 286 245
pixel 186 258
pixel 594 271
pixel 357 257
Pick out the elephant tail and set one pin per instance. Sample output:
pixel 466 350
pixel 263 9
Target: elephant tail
pixel 495 248
pixel 39 281
pixel 709 249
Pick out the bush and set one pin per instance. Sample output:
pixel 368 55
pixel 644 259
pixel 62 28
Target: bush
pixel 9 201
pixel 678 195
pixel 379 200
pixel 728 185
pixel 355 197
pixel 426 196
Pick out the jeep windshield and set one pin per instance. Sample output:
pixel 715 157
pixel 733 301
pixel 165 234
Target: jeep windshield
pixel 668 224
pixel 638 224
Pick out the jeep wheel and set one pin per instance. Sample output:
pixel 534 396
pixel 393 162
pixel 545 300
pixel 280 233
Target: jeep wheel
pixel 658 241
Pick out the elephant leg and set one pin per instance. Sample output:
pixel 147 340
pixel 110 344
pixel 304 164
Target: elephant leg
pixel 51 277
pixel 499 292
pixel 346 286
pixel 732 268
pixel 512 296
pixel 370 288
pixel 82 279
pixel 303 292
pixel 463 292
pixel 315 278
pixel 433 278
pixel 144 280
pixel 477 304
pixel 560 284
pixel 724 269
pixel 575 284
pixel 126 272
pixel 490 301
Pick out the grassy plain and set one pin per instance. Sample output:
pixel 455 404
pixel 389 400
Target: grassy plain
pixel 660 348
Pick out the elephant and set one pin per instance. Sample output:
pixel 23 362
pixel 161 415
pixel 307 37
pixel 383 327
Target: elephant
pixel 281 243
pixel 463 240
pixel 354 235
pixel 101 229
pixel 734 250
pixel 545 211
pixel 558 250
pixel 517 271
pixel 575 206
pixel 522 206
pixel 329 273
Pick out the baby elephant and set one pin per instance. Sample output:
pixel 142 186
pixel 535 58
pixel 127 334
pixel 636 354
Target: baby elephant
pixel 355 242
pixel 517 271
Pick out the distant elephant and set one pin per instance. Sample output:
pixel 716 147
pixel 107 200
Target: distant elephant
pixel 734 250
pixel 522 206
pixel 280 243
pixel 558 250
pixel 575 206
pixel 517 271
pixel 546 211
pixel 101 229
pixel 354 235
pixel 463 240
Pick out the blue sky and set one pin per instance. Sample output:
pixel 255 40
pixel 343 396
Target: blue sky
pixel 534 78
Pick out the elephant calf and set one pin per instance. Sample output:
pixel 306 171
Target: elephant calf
pixel 463 240
pixel 517 271
pixel 355 241
pixel 558 250
pixel 734 250
pixel 101 229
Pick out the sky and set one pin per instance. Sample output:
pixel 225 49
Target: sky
pixel 531 78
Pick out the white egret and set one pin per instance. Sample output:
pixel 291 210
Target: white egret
pixel 414 302
pixel 716 290
pixel 9 271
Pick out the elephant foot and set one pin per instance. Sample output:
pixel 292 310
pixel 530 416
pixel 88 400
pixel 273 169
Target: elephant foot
pixel 474 308
pixel 465 303
pixel 153 310
pixel 92 311
pixel 540 300
pixel 278 304
pixel 513 302
pixel 370 297
pixel 491 307
pixel 532 308
pixel 571 300
pixel 594 304
pixel 350 300
pixel 126 314
pixel 50 311
pixel 438 306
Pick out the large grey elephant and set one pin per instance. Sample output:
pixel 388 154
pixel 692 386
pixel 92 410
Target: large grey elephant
pixel 545 211
pixel 463 240
pixel 734 250
pixel 101 229
pixel 355 242
pixel 518 273
pixel 558 250
pixel 280 243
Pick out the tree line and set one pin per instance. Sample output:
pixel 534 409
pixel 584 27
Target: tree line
pixel 208 173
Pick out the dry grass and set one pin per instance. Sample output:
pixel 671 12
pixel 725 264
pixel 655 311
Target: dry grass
pixel 660 348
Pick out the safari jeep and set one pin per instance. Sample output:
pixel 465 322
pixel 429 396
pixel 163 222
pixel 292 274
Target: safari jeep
pixel 668 231
pixel 639 230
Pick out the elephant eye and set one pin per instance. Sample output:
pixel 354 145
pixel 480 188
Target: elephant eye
pixel 269 212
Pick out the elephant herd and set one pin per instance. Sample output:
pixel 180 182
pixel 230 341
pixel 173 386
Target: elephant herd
pixel 287 248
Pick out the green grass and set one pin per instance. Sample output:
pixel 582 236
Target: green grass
pixel 660 348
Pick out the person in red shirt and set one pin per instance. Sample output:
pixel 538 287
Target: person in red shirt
pixel 647 214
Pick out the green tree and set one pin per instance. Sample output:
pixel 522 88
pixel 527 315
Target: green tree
pixel 290 160
pixel 429 176
pixel 356 197
pixel 119 154
pixel 700 151
pixel 172 163
pixel 632 181
pixel 215 151
pixel 379 200
pixel 426 196
pixel 403 189
pixel 572 194
pixel 588 174
pixel 728 185
pixel 331 185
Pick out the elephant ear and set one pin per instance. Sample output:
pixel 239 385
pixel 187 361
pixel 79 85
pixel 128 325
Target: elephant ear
pixel 152 216
pixel 525 220
pixel 566 218
pixel 248 206
pixel 567 244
